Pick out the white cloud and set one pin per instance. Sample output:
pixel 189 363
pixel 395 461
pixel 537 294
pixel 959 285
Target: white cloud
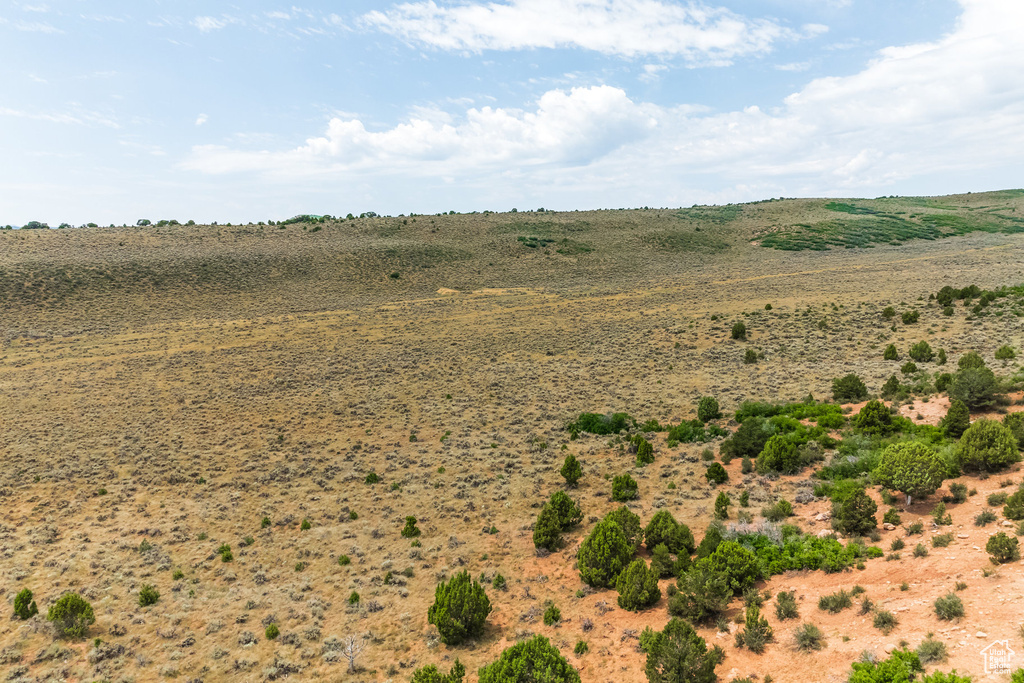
pixel 77 115
pixel 279 15
pixel 201 119
pixel 696 32
pixel 36 27
pixel 207 24
pixel 953 106
pixel 566 128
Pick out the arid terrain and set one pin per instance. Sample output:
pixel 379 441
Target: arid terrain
pixel 165 389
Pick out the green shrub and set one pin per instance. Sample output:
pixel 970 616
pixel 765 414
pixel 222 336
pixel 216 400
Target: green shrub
pixel 353 598
pixel 739 564
pixel 756 632
pixel 910 317
pixel 957 419
pixel 571 470
pixel 875 419
pixel 911 468
pixel 644 452
pixel 778 512
pixel 809 637
pixel 891 353
pixel 888 313
pixel 970 361
pixel 1014 508
pixel 499 583
pixel 148 595
pixel 909 368
pixel 897 544
pixel 624 488
pixel 1005 353
pixel 272 632
pixel 779 455
pixel 854 513
pixel 552 615
pixel 957 493
pixel 547 532
pixel 344 560
pixel 722 503
pixel 581 648
pixel 531 661
pixel 902 665
pixel 703 594
pixel 71 615
pixel 372 478
pixel 593 423
pixel 739 331
pixel 716 474
pixel 460 609
pixel 604 554
pixel 663 528
pixel 662 564
pixel 750 356
pixel 976 387
pixel 892 516
pixel 986 517
pixel 637 587
pixel 410 530
pixel 920 550
pixel 891 387
pixel 306 525
pixel 1002 548
pixel 986 446
pixel 630 525
pixel 567 510
pixel 885 621
pixel 849 389
pixel 922 352
pixel 707 409
pixel 1015 423
pixel 940 516
pixel 932 651
pixel 949 607
pixel 710 542
pixel 678 655
pixel 431 674
pixel 943 381
pixel 785 605
pixel 835 602
pixel 24 606
pixel 942 540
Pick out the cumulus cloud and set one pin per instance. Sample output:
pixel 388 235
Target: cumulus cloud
pixel 201 119
pixel 696 32
pixel 568 128
pixel 953 106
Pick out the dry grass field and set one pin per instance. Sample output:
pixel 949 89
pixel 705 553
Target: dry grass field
pixel 166 390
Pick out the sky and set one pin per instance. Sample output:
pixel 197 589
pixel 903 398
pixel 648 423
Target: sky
pixel 113 111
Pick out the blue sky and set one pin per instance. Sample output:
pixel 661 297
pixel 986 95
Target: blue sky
pixel 114 111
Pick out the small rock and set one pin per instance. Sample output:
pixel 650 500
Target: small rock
pixel 981 634
pixel 888 526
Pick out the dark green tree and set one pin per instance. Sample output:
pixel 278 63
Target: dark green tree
pixel 722 503
pixel 875 419
pixel 547 532
pixel 750 438
pixel 410 530
pixel 849 389
pixel 854 513
pixel 24 605
pixel 71 615
pixel 756 632
pixel 624 488
pixel 891 353
pixel 922 352
pixel 663 528
pixel 603 555
pixel 1015 423
pixel 957 419
pixel 571 470
pixel 707 409
pixel 739 331
pixel 779 455
pixel 739 565
pixel 1002 548
pixel 567 510
pixel 460 609
pixel 630 525
pixel 716 474
pixel 891 387
pixel 970 360
pixel 703 594
pixel 678 655
pixel 644 453
pixel 532 661
pixel 637 587
pixel 976 387
pixel 662 564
